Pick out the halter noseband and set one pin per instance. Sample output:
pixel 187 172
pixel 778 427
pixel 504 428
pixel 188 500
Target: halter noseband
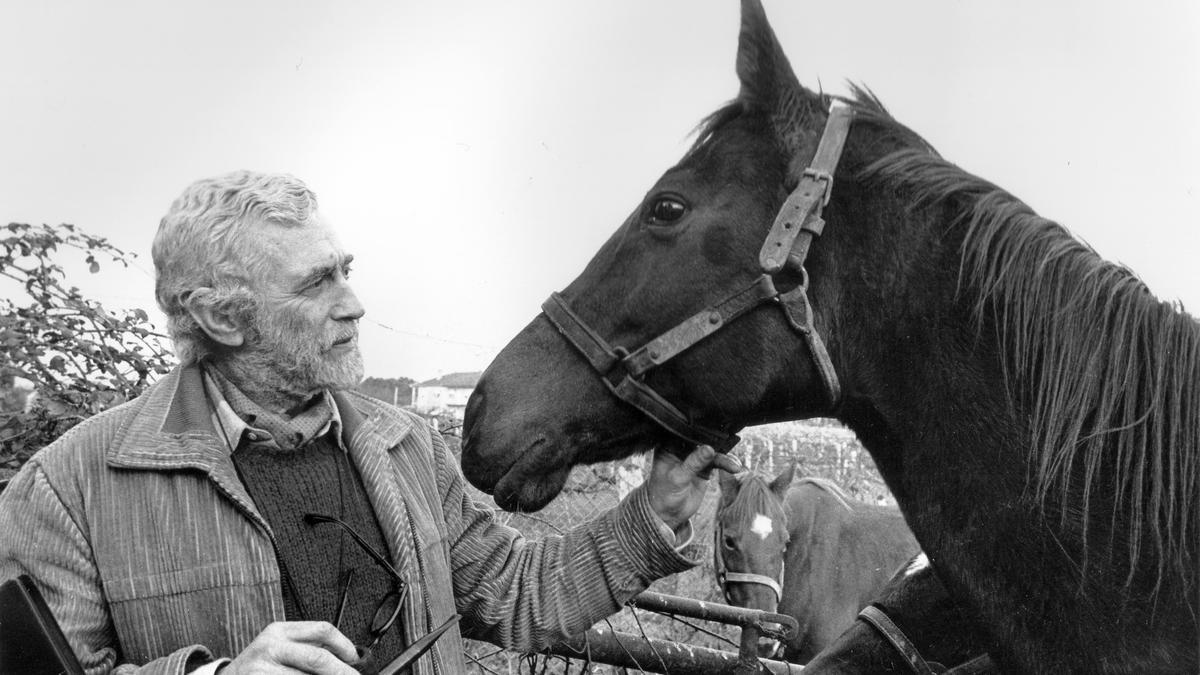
pixel 796 225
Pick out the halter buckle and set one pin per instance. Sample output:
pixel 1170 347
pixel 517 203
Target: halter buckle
pixel 822 177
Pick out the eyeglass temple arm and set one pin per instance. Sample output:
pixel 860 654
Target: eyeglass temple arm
pixel 312 518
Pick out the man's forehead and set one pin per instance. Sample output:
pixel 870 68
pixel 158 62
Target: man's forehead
pixel 297 250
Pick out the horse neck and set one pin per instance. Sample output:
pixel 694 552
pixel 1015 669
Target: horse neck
pixel 811 508
pixel 953 432
pixel 904 341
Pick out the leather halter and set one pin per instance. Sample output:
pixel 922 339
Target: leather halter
pixel 892 633
pixel 796 225
pixel 725 577
pixel 880 621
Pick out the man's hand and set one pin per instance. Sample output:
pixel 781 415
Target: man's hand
pixel 676 486
pixel 314 647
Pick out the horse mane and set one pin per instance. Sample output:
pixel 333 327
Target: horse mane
pixel 1109 373
pixel 829 486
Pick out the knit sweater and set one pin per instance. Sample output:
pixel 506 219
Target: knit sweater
pixel 314 558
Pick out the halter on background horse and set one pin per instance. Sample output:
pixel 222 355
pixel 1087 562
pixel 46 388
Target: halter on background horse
pixel 805 549
pixel 1034 410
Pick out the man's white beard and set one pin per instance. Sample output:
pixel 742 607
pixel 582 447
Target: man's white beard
pixel 288 360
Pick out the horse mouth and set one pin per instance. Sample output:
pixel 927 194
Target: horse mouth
pixel 521 493
pixel 536 478
pixel 540 474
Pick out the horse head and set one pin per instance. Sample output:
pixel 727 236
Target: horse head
pixel 750 539
pixel 691 243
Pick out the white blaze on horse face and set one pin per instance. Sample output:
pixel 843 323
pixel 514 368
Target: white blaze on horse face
pixel 762 526
pixel 918 563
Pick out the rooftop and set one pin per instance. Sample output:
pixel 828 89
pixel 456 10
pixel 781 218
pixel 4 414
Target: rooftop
pixel 454 381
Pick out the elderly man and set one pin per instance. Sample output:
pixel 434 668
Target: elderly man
pixel 251 513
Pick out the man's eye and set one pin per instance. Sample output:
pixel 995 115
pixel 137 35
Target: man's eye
pixel 666 210
pixel 346 271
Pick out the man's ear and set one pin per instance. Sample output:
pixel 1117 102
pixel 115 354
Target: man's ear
pixel 214 318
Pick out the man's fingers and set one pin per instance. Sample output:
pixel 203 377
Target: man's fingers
pixel 309 658
pixel 701 458
pixel 704 458
pixel 320 634
pixel 726 463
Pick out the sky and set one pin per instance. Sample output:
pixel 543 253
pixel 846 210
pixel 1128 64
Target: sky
pixel 473 155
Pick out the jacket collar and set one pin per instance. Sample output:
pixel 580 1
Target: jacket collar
pixel 172 426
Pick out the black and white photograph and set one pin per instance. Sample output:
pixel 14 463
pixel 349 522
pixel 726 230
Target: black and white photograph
pixel 619 337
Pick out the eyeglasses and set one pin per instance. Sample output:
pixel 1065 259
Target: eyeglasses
pixel 389 607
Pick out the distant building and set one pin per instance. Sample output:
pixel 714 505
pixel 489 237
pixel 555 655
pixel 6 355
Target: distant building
pixel 445 395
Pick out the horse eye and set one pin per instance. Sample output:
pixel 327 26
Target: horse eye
pixel 729 543
pixel 667 210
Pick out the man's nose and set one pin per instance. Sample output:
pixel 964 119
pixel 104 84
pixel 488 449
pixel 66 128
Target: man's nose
pixel 348 306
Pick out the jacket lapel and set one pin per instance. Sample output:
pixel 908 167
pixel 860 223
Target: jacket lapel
pixel 369 439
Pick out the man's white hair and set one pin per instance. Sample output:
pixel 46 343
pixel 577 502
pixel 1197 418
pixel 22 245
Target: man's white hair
pixel 201 253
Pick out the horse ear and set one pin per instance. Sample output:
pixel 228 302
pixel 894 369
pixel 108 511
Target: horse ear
pixel 769 83
pixel 784 480
pixel 729 487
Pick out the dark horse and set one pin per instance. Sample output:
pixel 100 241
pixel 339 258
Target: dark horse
pixel 806 550
pixel 1032 407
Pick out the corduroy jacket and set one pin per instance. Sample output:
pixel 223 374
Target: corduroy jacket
pixel 154 558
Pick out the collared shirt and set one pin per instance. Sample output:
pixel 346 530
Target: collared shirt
pixel 233 428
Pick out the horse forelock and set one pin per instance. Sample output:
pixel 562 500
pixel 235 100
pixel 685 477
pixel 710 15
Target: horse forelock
pixel 714 123
pixel 1109 373
pixel 754 497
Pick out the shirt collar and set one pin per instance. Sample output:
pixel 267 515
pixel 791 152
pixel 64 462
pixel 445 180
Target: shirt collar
pixel 233 428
